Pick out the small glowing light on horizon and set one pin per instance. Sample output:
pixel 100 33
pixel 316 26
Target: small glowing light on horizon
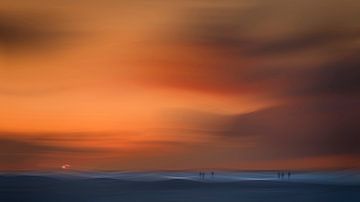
pixel 65 166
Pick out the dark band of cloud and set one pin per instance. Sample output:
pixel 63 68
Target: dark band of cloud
pixel 30 32
pixel 321 44
pixel 316 128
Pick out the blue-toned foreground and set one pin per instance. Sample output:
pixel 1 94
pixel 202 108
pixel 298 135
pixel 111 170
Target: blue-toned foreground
pixel 179 186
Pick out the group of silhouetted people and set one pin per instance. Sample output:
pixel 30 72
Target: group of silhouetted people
pixel 282 174
pixel 203 174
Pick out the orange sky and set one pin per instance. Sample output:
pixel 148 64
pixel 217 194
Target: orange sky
pixel 178 85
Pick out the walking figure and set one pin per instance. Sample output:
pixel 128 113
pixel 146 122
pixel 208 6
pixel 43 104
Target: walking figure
pixel 202 175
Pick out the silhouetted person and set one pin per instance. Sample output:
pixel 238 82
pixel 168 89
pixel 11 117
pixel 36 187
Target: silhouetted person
pixel 279 175
pixel 202 175
pixel 282 175
pixel 212 174
pixel 289 174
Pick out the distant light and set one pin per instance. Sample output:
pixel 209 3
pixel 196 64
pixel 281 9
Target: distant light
pixel 65 166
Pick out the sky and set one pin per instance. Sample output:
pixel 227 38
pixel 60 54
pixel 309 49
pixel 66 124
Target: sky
pixel 171 85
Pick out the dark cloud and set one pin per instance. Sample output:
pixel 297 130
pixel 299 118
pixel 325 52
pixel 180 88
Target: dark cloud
pixel 319 39
pixel 27 146
pixel 337 77
pixel 19 151
pixel 15 146
pixel 271 27
pixel 306 129
pixel 340 77
pixel 302 130
pixel 272 47
pixel 229 38
pixel 28 31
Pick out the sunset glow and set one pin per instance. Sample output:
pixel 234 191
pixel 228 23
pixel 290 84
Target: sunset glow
pixel 147 85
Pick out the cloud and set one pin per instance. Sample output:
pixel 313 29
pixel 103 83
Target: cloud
pixel 340 77
pixel 30 32
pixel 19 151
pixel 272 27
pixel 272 47
pixel 318 39
pixel 28 92
pixel 232 40
pixel 15 146
pixel 298 130
pixel 23 151
pixel 302 130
